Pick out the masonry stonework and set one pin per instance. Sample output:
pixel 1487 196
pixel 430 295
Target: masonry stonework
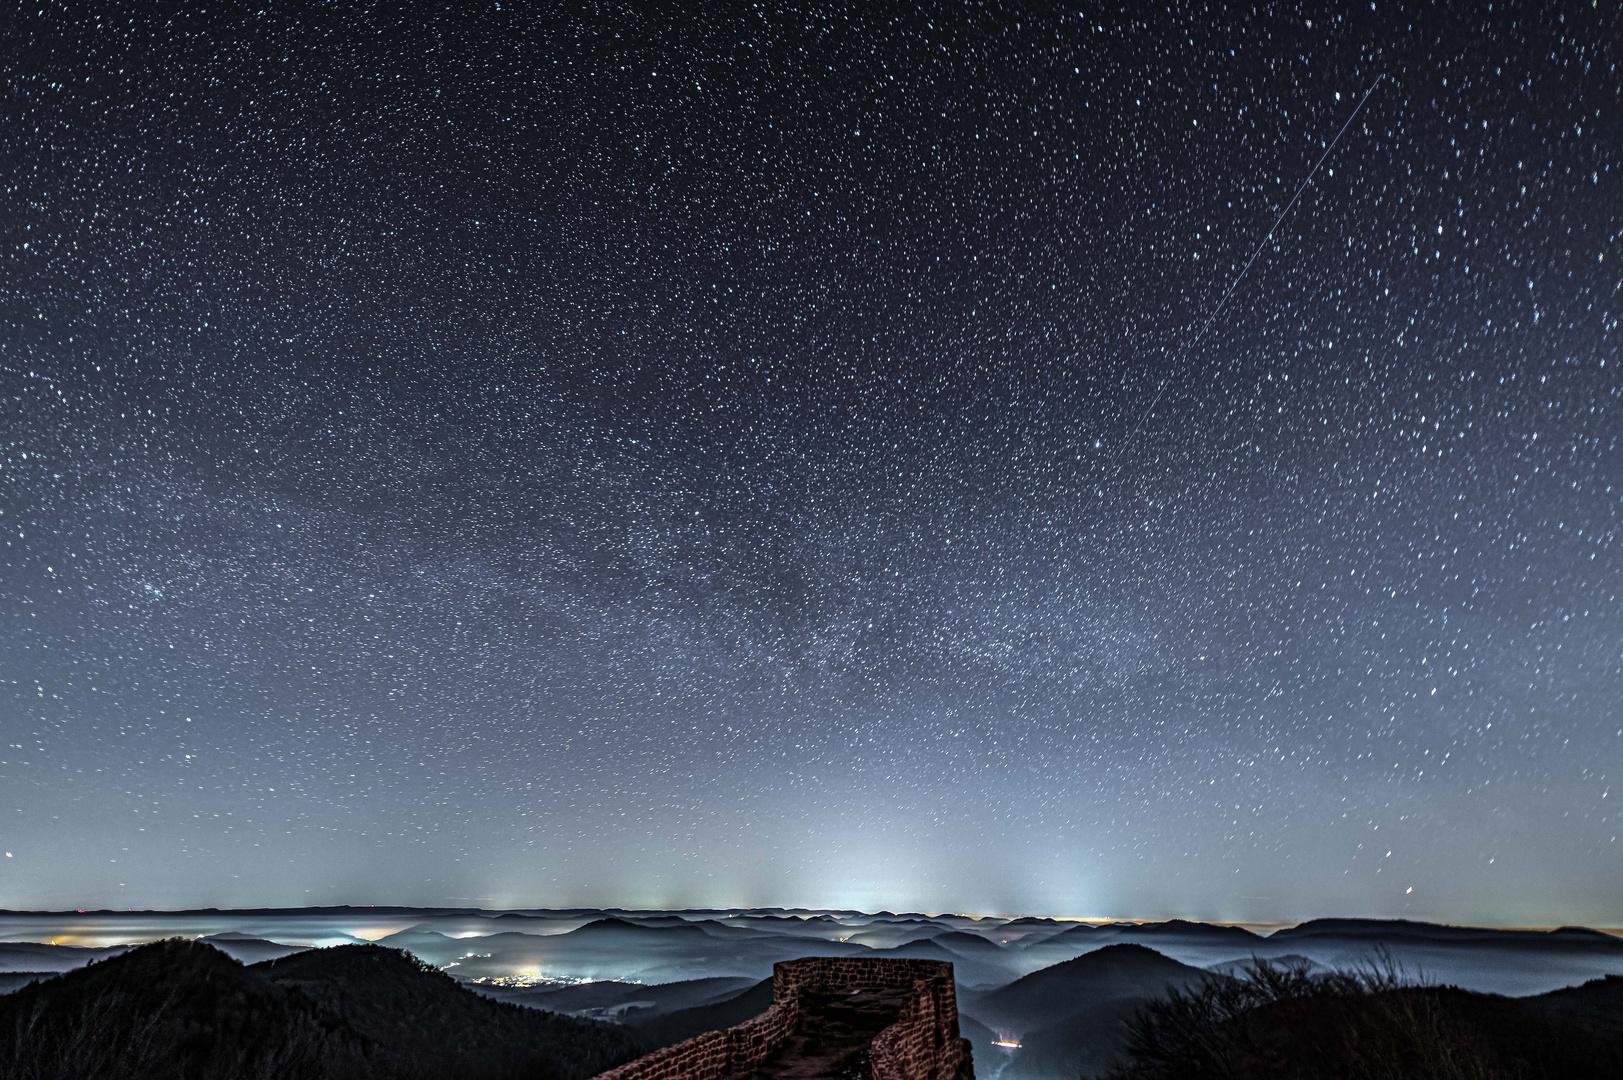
pixel 921 1044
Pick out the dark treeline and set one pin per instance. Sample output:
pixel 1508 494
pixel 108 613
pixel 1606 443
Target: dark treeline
pixel 181 1010
pixel 1280 1020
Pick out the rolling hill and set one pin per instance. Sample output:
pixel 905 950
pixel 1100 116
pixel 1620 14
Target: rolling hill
pixel 185 1009
pixel 1055 993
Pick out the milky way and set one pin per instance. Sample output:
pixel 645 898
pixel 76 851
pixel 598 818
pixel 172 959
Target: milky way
pixel 666 460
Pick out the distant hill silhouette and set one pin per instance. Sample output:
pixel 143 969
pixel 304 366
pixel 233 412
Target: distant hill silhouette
pixel 1172 931
pixel 673 1027
pixel 1077 935
pixel 1403 930
pixel 920 949
pixel 16 980
pixel 966 944
pixel 634 1001
pixel 37 956
pixel 1112 973
pixel 656 920
pixel 249 949
pixel 183 1009
pixel 1205 933
pixel 620 931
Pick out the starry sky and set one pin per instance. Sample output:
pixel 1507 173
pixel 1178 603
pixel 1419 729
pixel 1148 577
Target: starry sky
pixel 768 455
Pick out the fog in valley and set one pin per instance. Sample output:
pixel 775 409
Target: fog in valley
pixel 1059 989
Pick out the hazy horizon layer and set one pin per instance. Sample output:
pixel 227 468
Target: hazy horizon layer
pixel 9 916
pixel 554 948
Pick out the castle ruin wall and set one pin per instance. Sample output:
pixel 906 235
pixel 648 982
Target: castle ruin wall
pixel 922 1044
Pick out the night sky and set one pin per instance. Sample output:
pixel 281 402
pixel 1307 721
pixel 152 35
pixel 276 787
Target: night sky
pixel 767 456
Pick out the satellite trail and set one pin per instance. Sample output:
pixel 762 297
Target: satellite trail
pixel 1241 275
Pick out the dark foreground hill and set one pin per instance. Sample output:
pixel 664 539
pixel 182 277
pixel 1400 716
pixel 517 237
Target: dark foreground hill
pixel 1285 1021
pixel 182 1010
pixel 1069 1018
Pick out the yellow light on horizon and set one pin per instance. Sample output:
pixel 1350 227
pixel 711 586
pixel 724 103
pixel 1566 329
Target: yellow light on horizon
pixel 373 934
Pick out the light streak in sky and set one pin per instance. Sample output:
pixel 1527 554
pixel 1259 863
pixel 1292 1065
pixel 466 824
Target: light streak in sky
pixel 1241 275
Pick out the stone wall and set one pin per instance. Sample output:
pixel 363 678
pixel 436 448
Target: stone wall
pixel 716 1054
pixel 923 1043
